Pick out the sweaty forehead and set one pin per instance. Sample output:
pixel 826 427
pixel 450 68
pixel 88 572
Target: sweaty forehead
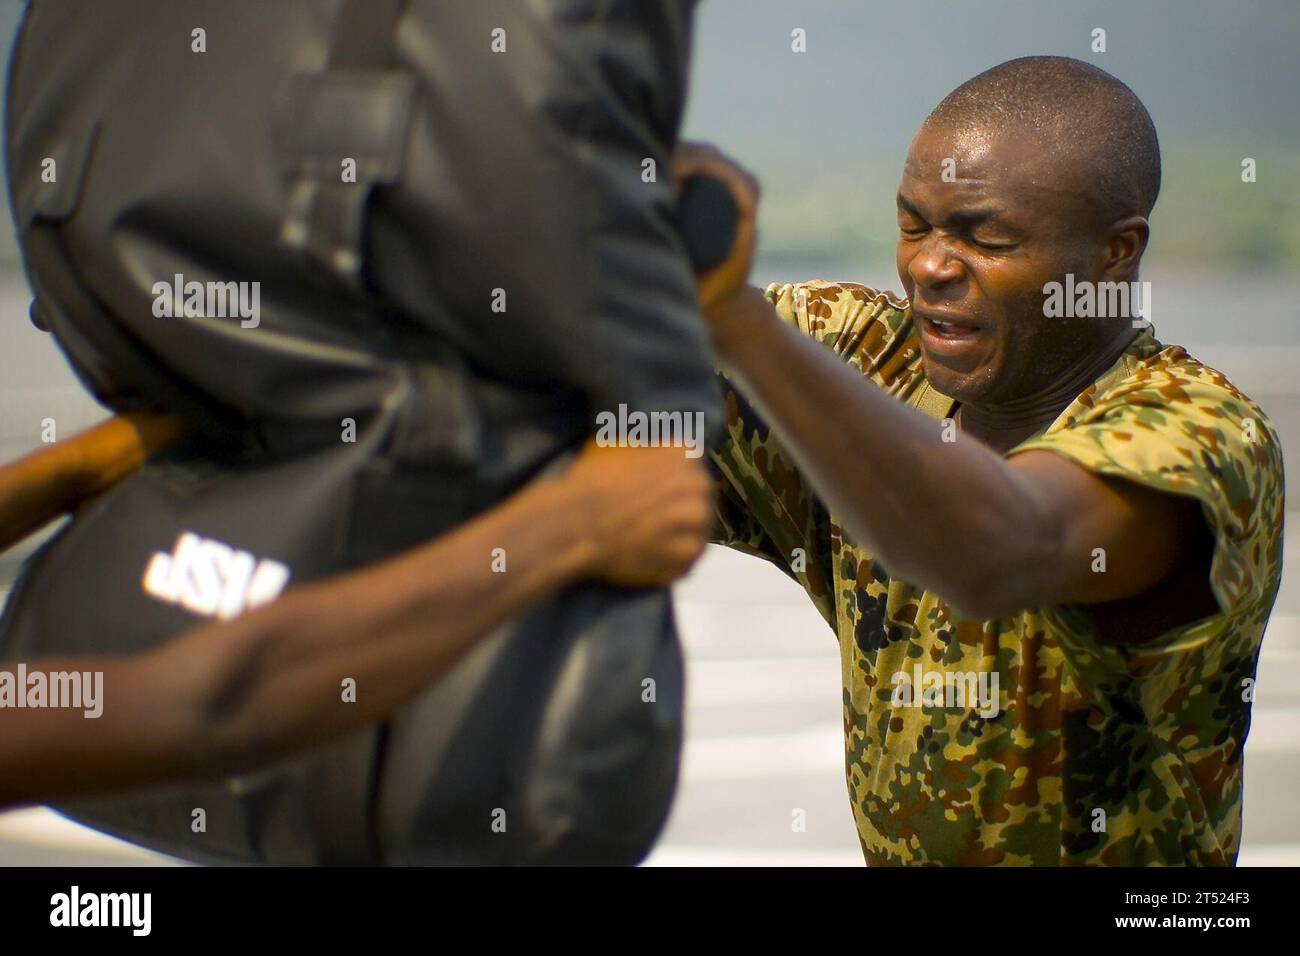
pixel 1014 166
pixel 976 153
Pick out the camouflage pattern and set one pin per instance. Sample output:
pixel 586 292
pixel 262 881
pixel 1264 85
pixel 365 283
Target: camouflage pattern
pixel 1098 754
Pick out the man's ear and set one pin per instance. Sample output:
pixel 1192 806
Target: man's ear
pixel 1126 240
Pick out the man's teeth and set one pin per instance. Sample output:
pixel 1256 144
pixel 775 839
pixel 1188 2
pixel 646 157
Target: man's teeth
pixel 952 326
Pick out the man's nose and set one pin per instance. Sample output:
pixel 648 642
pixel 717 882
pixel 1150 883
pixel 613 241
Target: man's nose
pixel 934 265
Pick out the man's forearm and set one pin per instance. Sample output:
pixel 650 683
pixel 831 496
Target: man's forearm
pixel 938 514
pixel 227 697
pixel 397 626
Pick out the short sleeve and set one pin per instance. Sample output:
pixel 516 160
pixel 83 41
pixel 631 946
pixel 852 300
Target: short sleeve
pixel 1184 429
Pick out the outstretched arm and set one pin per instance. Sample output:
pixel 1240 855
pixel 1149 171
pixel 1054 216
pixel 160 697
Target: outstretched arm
pixel 228 697
pixel 943 514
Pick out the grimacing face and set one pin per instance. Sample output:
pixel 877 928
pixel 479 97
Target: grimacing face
pixel 974 254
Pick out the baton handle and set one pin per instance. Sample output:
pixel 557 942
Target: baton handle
pixel 52 481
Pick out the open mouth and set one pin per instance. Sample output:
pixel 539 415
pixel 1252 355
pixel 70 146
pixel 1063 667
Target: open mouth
pixel 950 330
pixel 950 340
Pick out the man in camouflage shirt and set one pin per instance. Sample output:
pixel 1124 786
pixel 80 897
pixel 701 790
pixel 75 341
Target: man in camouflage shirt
pixel 1051 574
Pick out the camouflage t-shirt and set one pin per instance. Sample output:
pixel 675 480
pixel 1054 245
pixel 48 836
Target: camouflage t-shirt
pixel 1025 740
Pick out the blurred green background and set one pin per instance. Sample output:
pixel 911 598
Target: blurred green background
pixel 827 130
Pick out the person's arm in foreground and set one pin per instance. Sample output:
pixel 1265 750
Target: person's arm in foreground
pixel 228 697
pixel 938 514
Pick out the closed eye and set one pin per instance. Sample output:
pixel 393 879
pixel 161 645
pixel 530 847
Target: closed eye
pixel 912 228
pixel 992 246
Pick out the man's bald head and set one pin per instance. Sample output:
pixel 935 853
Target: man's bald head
pixel 1096 128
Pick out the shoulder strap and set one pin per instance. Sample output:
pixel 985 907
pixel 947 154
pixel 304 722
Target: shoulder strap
pixel 356 110
pixel 363 34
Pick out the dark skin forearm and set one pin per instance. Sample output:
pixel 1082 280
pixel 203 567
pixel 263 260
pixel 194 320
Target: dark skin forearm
pixel 231 696
pixel 942 514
